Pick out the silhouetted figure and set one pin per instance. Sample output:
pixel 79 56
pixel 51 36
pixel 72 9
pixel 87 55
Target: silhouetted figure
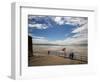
pixel 71 55
pixel 64 49
pixel 48 52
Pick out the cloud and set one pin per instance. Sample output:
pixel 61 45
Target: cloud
pixel 67 41
pixel 37 37
pixel 71 41
pixel 40 22
pixel 39 40
pixel 79 33
pixel 75 21
pixel 35 17
pixel 38 26
pixel 59 20
pixel 80 29
pixel 80 36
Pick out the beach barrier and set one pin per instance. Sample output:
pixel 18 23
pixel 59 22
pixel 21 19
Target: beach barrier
pixel 57 53
pixel 75 56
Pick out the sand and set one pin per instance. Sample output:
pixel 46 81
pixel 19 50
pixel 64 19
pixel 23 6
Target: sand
pixel 41 57
pixel 52 60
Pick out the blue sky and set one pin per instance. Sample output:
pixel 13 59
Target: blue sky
pixel 58 29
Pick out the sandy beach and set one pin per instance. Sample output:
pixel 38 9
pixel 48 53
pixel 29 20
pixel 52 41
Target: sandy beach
pixel 52 60
pixel 41 58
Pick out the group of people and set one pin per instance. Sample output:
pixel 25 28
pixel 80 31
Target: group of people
pixel 71 54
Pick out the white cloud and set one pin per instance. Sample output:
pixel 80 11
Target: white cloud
pixel 67 41
pixel 75 20
pixel 80 37
pixel 37 37
pixel 38 26
pixel 39 40
pixel 30 16
pixel 34 24
pixel 70 41
pixel 59 20
pixel 70 20
pixel 80 29
pixel 33 16
pixel 81 34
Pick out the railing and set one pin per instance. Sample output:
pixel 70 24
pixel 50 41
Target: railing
pixel 76 56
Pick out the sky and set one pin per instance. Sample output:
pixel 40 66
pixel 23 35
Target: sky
pixel 62 30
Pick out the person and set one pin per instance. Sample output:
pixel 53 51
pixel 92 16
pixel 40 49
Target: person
pixel 64 49
pixel 48 52
pixel 71 55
